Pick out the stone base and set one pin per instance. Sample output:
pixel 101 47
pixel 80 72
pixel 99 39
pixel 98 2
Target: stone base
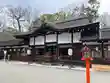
pixel 96 67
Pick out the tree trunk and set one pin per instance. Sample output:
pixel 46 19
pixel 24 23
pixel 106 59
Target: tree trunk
pixel 19 26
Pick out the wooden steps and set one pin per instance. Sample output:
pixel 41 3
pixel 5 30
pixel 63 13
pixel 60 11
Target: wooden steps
pixel 97 67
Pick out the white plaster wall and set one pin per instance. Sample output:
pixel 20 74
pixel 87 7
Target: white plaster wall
pixel 39 40
pixel 51 38
pixel 104 20
pixel 64 38
pixel 32 41
pixel 76 37
pixel 105 33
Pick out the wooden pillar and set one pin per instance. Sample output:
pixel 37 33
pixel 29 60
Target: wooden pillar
pixel 57 47
pixel 72 43
pixel 72 37
pixel 102 49
pixel 107 52
pixel 44 44
pixel 34 40
pixel 33 54
pixel 34 50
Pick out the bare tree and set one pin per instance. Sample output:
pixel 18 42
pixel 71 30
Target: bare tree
pixel 2 26
pixel 23 16
pixel 30 16
pixel 17 14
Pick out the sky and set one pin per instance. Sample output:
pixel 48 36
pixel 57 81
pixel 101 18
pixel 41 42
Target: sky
pixel 51 6
pixel 44 6
pixel 104 6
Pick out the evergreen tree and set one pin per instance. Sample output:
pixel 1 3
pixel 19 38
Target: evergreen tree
pixel 92 10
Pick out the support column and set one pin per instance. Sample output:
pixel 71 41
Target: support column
pixel 33 54
pixel 72 37
pixel 57 47
pixel 72 43
pixel 102 49
pixel 34 40
pixel 44 44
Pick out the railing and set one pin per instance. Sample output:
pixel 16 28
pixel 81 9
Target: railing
pixel 43 58
pixel 72 62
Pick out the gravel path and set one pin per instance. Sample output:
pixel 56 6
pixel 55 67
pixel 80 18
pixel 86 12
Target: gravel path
pixel 16 73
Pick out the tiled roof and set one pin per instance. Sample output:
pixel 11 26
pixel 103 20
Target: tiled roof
pixel 4 36
pixel 70 23
pixel 11 42
pixel 8 39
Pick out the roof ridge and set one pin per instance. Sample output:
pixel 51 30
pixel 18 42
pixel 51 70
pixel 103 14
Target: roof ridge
pixel 68 20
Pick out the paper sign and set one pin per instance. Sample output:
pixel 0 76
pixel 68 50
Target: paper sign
pixel 70 52
pixel 28 51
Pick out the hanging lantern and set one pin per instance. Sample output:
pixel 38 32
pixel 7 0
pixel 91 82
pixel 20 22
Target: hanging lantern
pixel 86 53
pixel 14 50
pixel 10 49
pixel 28 51
pixel 96 48
pixel 70 52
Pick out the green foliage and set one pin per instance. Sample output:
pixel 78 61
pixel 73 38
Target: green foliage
pixel 86 54
pixel 92 9
pixel 59 16
pixel 47 17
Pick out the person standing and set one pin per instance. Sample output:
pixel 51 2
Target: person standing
pixel 5 55
pixel 29 55
pixel 70 53
pixel 8 57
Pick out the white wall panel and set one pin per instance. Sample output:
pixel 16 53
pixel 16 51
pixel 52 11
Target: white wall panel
pixel 51 38
pixel 76 37
pixel 31 41
pixel 39 40
pixel 64 38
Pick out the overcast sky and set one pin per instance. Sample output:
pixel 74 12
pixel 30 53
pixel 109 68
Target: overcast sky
pixel 104 6
pixel 50 6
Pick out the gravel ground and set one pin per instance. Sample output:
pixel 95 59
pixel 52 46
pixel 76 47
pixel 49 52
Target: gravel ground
pixel 18 73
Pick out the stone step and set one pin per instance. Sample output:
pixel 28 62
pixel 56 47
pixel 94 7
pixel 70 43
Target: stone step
pixel 96 67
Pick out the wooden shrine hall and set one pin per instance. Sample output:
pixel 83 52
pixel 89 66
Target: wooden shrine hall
pixel 50 42
pixel 59 42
